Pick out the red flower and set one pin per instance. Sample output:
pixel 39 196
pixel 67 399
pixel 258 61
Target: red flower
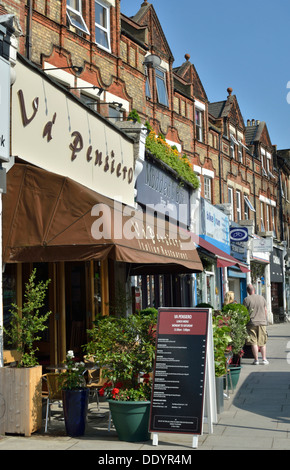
pixel 102 392
pixel 115 392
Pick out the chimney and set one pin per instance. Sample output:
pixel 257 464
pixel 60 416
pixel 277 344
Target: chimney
pixel 253 122
pixel 257 122
pixel 248 122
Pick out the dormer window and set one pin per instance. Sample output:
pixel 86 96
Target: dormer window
pixel 160 77
pixel 74 15
pixel 102 25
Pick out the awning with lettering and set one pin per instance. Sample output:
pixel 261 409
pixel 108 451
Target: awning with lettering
pixel 49 217
pixel 223 259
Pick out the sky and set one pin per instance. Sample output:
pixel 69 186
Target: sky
pixel 242 44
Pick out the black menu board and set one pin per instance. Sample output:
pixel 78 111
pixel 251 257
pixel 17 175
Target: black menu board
pixel 179 371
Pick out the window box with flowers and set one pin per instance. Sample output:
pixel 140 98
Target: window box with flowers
pixel 160 149
pixel 124 349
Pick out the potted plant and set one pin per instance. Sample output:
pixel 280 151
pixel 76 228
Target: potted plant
pixel 221 341
pixel 237 317
pixel 21 386
pixel 124 348
pixel 75 396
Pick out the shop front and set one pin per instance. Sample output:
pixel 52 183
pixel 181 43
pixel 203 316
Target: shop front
pixel 277 283
pixel 221 267
pixel 160 191
pixel 70 212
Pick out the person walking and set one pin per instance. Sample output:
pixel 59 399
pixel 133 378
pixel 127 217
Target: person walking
pixel 257 326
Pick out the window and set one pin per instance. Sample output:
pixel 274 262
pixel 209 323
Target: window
pixel 238 205
pixel 232 150
pixel 273 222
pixel 262 217
pixel 102 25
pixel 115 113
pixel 199 125
pixel 231 201
pixel 162 96
pixel 268 217
pixel 147 91
pixel 89 101
pixel 74 15
pixel 246 209
pixel 207 188
pixel 240 154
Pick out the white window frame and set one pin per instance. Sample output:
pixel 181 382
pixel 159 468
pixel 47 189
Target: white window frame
pixel 207 188
pixel 240 154
pixel 274 222
pixel 148 89
pixel 246 209
pixel 238 205
pixel 76 12
pixel 199 124
pixel 268 217
pixel 160 80
pixel 106 30
pixel 262 216
pixel 231 201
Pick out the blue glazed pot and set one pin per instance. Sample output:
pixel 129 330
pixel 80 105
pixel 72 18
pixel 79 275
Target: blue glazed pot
pixel 75 407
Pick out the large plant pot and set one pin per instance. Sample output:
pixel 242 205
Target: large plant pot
pixel 131 419
pixel 219 381
pixel 20 400
pixel 75 407
pixel 235 374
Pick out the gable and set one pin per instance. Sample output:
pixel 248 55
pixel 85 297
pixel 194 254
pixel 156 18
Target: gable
pixel 187 72
pixel 147 16
pixel 235 115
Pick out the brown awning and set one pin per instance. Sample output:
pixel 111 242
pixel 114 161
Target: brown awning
pixel 48 217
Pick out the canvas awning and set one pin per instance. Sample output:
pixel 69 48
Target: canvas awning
pixel 48 217
pixel 223 259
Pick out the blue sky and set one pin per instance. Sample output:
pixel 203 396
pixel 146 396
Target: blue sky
pixel 242 44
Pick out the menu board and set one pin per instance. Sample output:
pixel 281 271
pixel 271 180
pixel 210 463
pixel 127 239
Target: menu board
pixel 179 371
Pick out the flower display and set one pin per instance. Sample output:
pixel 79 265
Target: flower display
pixel 124 348
pixel 158 147
pixel 72 378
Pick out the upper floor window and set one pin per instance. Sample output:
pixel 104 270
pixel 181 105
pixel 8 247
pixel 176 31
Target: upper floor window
pixel 207 188
pixel 148 91
pixel 238 205
pixel 199 124
pixel 162 95
pixel 115 113
pixel 74 15
pixel 262 217
pixel 102 25
pixel 231 201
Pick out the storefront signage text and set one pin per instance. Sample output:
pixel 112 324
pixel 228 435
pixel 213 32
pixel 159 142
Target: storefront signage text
pixel 76 145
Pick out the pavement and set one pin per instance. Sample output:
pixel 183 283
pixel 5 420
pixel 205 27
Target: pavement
pixel 256 416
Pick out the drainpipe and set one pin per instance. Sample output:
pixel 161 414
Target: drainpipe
pixel 28 40
pixel 220 169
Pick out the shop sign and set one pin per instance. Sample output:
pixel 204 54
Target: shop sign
pixel 4 110
pixel 53 131
pixel 215 226
pixel 238 234
pixel 156 187
pixel 262 244
pixel 179 371
pixel 276 265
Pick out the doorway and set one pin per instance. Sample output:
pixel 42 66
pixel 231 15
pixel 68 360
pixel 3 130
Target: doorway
pixel 76 306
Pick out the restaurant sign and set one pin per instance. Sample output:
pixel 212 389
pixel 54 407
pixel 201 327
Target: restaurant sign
pixel 54 131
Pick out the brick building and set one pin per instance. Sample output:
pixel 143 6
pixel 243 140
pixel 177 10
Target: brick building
pixel 106 60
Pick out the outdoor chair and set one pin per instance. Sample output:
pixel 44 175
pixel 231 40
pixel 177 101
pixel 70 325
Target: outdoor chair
pixel 95 381
pixel 54 394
